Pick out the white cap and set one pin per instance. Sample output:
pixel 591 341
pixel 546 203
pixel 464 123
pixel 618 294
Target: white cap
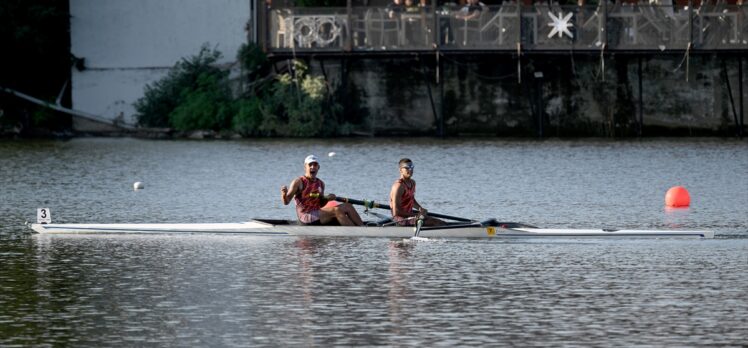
pixel 310 159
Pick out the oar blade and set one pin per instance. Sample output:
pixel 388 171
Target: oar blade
pixel 419 224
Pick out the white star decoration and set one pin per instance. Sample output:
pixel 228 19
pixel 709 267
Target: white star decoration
pixel 560 25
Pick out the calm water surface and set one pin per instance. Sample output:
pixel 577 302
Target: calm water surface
pixel 239 290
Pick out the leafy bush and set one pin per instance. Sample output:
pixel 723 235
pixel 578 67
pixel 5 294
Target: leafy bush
pixel 35 60
pixel 299 105
pixel 207 106
pixel 42 116
pixel 256 69
pixel 248 118
pixel 36 46
pixel 252 57
pixel 195 95
pixel 164 96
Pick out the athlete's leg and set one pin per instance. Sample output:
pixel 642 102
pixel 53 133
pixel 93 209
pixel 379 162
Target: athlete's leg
pixel 344 213
pixel 352 214
pixel 328 213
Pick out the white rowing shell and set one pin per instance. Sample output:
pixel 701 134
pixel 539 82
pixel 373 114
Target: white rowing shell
pixel 255 227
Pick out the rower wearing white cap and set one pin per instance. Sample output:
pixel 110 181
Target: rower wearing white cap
pixel 309 193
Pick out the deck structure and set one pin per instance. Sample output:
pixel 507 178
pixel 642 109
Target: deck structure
pixel 510 27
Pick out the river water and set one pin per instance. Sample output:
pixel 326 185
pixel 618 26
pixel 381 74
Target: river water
pixel 240 290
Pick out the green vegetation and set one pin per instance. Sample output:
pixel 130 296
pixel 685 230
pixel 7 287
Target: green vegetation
pixel 205 106
pixel 197 95
pixel 35 60
pixel 192 89
pixel 300 102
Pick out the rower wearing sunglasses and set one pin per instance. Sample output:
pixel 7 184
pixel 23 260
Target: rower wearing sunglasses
pixel 403 199
pixel 311 203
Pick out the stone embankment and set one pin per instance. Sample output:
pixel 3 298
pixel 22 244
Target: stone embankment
pixel 550 95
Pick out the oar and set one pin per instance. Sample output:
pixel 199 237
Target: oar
pixel 419 224
pixel 372 204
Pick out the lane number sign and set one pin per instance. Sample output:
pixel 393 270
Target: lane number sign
pixel 43 216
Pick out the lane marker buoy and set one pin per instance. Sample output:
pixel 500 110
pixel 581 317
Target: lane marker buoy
pixel 677 197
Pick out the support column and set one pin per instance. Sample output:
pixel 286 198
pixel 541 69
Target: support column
pixel 732 100
pixel 262 24
pixel 539 101
pixel 348 46
pixel 441 131
pixel 740 93
pixel 641 100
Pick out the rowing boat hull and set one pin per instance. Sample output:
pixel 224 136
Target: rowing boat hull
pixel 262 228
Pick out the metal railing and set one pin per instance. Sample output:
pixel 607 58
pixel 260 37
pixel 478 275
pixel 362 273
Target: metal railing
pixel 509 27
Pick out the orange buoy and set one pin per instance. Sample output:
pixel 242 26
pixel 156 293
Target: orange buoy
pixel 677 196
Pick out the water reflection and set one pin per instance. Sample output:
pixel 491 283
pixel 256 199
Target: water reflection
pixel 676 218
pixel 233 290
pixel 397 275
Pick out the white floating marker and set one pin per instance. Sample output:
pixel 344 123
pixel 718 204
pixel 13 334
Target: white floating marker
pixel 331 154
pixel 138 185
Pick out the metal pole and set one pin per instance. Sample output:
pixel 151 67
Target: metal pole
pixel 431 96
pixel 519 42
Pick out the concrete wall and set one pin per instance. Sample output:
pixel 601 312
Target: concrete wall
pixel 574 97
pixel 128 44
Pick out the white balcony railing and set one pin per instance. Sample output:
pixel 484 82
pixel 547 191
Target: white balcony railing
pixel 618 26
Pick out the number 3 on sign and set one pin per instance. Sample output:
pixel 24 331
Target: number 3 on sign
pixel 43 216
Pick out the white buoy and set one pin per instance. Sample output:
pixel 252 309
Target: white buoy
pixel 331 154
pixel 138 185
